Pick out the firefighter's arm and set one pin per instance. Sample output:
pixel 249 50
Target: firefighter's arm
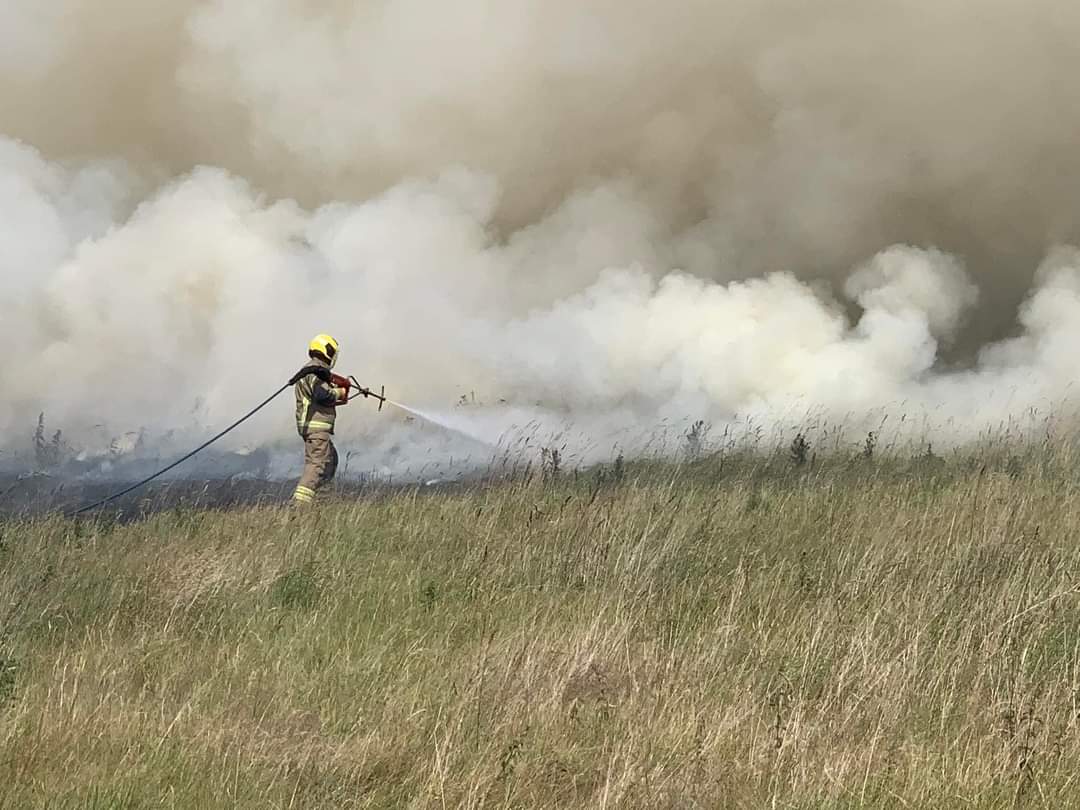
pixel 326 394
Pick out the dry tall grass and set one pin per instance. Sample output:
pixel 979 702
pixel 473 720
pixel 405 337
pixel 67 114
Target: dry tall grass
pixel 791 634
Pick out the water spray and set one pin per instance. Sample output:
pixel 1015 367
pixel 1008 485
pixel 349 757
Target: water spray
pixel 442 423
pixel 350 384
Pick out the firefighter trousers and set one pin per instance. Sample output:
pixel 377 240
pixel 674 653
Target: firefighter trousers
pixel 320 465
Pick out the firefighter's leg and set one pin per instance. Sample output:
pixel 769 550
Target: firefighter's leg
pixel 331 464
pixel 315 458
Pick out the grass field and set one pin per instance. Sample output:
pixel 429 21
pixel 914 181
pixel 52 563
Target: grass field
pixel 771 632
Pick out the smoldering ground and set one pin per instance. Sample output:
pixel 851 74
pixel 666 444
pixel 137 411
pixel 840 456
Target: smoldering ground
pixel 606 215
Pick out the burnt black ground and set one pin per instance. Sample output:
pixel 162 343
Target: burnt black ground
pixel 41 495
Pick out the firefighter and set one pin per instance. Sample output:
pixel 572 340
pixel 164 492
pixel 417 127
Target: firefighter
pixel 317 398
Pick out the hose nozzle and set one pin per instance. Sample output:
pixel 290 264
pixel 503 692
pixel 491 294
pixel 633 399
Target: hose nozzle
pixel 367 392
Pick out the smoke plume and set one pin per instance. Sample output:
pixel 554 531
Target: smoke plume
pixel 607 214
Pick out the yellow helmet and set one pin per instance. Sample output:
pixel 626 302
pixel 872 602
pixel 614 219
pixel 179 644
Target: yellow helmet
pixel 326 347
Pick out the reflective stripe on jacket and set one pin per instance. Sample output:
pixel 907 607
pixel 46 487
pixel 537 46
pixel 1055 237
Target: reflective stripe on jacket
pixel 316 401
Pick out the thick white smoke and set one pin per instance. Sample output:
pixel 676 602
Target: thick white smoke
pixel 600 216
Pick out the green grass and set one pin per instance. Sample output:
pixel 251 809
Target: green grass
pixel 747 634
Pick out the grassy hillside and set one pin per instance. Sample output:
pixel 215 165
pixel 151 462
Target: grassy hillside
pixel 780 633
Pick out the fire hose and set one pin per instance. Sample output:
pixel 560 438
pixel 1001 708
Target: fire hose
pixel 345 383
